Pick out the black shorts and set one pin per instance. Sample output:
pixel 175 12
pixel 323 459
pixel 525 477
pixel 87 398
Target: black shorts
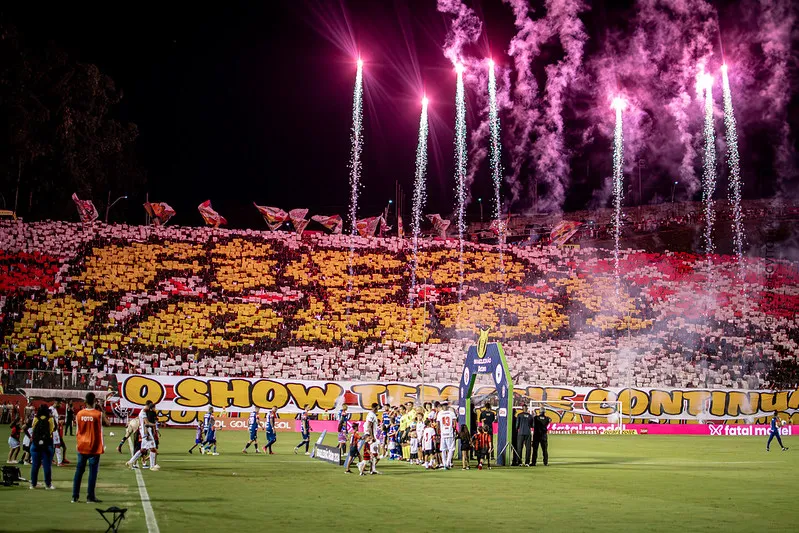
pixel 414 455
pixel 482 454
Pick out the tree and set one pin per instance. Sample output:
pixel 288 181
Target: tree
pixel 60 136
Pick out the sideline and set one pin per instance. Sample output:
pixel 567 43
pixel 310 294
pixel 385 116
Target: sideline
pixel 149 515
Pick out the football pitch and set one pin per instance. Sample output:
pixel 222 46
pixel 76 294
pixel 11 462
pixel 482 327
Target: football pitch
pixel 593 483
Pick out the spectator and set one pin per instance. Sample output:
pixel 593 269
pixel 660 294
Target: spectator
pixel 42 447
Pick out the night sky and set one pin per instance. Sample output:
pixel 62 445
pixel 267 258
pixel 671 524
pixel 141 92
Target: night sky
pixel 251 101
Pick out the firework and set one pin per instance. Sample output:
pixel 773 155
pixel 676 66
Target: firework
pixel 460 167
pixel 733 160
pixel 709 162
pixel 495 161
pixel 356 139
pixel 419 193
pixel 618 178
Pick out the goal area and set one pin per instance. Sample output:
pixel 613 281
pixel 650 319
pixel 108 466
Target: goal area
pixel 607 415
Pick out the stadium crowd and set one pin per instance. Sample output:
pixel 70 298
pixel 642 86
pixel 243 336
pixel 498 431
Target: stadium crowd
pixel 80 303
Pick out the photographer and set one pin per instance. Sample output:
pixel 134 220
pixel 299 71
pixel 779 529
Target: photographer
pixel 540 428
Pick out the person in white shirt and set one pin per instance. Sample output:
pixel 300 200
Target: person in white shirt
pixel 446 423
pixel 428 438
pixel 370 427
pixel 58 444
pixel 146 429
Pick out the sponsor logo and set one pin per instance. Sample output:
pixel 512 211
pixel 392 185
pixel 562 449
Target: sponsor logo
pixel 503 412
pixel 746 431
pixel 329 454
pixel 461 410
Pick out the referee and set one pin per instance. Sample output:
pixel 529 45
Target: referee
pixel 540 428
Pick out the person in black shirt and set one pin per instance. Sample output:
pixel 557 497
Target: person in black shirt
pixel 540 428
pixel 487 419
pixel 524 421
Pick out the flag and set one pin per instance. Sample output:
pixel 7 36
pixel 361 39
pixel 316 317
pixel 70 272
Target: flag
pixel 563 231
pixel 366 226
pixel 211 217
pixel 273 216
pixel 86 209
pixel 334 223
pixel 384 227
pixel 439 224
pixel 160 212
pixel 297 217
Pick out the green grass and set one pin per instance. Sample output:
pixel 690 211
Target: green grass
pixel 595 483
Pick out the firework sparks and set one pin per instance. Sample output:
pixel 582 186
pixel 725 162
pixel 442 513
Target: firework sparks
pixel 419 194
pixel 356 139
pixel 709 162
pixel 618 179
pixel 460 167
pixel 733 160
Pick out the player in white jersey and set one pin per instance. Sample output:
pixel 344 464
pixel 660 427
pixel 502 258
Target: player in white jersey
pixel 370 427
pixel 446 424
pixel 146 431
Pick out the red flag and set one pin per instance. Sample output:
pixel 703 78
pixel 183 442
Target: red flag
pixel 160 212
pixel 563 232
pixel 273 216
pixel 211 217
pixel 334 223
pixel 366 226
pixel 439 224
pixel 86 209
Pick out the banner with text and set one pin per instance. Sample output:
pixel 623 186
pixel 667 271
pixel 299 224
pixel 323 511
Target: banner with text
pixel 565 404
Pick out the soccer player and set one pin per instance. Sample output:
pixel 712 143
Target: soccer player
pixel 198 437
pixel 370 427
pixel 269 425
pixel 131 430
pixel 775 432
pixel 210 437
pixel 305 429
pixel 146 429
pixel 355 453
pixel 446 424
pixel 252 424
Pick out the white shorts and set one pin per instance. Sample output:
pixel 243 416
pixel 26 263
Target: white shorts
pixel 56 438
pixel 26 441
pixel 147 444
pixel 447 444
pixel 13 443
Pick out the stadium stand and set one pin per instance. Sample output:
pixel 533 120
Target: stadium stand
pixel 80 303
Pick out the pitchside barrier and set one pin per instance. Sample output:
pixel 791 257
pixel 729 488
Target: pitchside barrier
pixel 183 396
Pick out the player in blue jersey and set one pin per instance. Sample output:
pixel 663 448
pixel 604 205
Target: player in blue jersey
pixel 210 434
pixel 252 425
pixel 775 432
pixel 269 425
pixel 198 437
pixel 305 429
